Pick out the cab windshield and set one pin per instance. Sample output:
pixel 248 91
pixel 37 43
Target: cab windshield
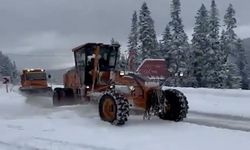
pixel 107 58
pixel 86 56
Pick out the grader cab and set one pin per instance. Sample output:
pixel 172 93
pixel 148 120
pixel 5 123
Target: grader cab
pixel 95 78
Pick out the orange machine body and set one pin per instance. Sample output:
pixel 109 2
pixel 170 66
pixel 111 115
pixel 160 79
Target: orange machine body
pixel 33 79
pixel 88 81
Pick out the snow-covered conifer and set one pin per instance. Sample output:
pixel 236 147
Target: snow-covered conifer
pixel 215 59
pixel 242 62
pixel 200 45
pixel 165 43
pixel 233 73
pixel 133 51
pixel 179 53
pixel 147 34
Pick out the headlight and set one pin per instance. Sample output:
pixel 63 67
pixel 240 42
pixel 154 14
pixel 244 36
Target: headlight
pixel 132 88
pixel 111 86
pixel 87 87
pixel 122 73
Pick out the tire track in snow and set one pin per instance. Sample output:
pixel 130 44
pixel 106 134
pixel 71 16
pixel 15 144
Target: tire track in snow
pixel 222 116
pixel 219 121
pixel 39 143
pixel 64 144
pixel 12 146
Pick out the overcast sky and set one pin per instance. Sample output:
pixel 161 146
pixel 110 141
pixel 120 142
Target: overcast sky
pixel 41 33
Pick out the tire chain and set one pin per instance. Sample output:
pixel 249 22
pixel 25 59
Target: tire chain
pixel 183 104
pixel 122 108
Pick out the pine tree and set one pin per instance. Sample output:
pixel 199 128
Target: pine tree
pixel 14 73
pixel 165 44
pixel 215 76
pixel 242 62
pixel 123 63
pixel 179 54
pixel 200 44
pixel 114 42
pixel 7 68
pixel 224 54
pixel 230 35
pixel 222 65
pixel 223 46
pixel 230 24
pixel 133 50
pixel 233 79
pixel 214 26
pixel 6 65
pixel 147 35
pixel 118 64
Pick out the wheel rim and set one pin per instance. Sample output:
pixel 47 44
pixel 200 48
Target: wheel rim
pixel 108 109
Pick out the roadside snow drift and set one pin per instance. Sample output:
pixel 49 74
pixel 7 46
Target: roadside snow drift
pixel 229 102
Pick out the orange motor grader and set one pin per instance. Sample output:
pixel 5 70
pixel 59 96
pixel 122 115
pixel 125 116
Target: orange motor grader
pixel 95 78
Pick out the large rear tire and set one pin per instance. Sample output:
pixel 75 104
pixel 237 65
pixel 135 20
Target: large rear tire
pixel 114 108
pixel 175 105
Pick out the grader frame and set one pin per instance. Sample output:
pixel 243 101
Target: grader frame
pixel 95 77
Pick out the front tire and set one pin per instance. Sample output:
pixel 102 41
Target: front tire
pixel 114 108
pixel 175 105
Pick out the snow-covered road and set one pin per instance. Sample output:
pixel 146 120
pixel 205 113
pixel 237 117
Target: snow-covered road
pixel 216 121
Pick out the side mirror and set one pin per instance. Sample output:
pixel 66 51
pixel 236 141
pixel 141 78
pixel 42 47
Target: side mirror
pixel 49 76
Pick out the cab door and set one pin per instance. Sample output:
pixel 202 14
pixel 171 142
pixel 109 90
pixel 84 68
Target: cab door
pixel 80 58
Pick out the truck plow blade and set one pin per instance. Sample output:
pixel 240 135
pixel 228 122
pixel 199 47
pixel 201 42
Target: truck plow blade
pixel 37 91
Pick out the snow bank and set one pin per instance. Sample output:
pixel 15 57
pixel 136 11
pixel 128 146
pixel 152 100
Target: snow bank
pixel 12 97
pixel 221 101
pixel 10 102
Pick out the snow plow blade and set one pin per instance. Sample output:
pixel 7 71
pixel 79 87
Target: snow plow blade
pixel 47 91
pixel 65 96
